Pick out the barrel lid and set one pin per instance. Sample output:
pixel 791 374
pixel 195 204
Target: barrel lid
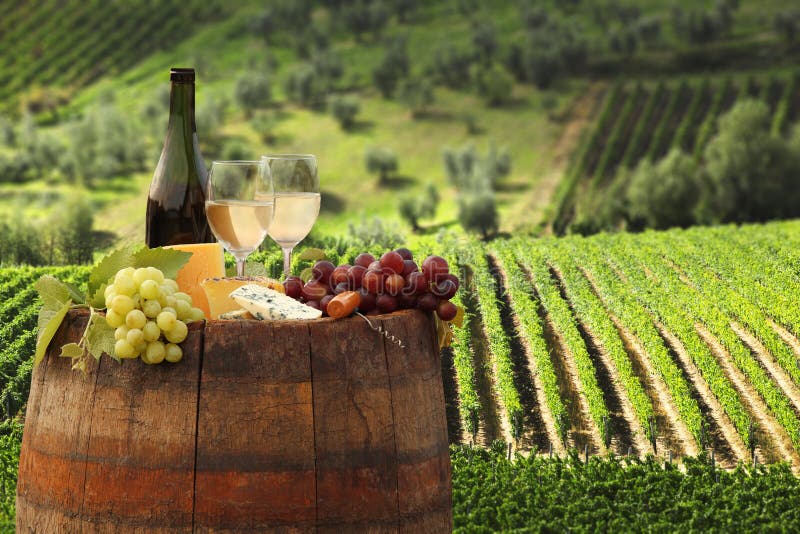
pixel 181 75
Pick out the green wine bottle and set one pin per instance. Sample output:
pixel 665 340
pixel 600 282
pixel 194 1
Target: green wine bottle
pixel 176 202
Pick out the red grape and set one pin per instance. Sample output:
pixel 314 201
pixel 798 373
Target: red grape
pixel 314 290
pixel 341 288
pixel 427 302
pixel 313 304
pixel 405 253
pixel 434 267
pixel 416 284
pixel 293 285
pixel 339 274
pixel 364 259
pixel 375 266
pixel 393 261
pixel 445 289
pixel 323 304
pixel 373 281
pixel 409 266
pixel 367 301
pixel 322 271
pixel 446 310
pixel 406 301
pixel 394 284
pixel 386 303
pixel 452 277
pixel 355 276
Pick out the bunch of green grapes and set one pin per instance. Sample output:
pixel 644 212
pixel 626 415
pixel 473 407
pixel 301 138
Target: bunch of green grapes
pixel 149 314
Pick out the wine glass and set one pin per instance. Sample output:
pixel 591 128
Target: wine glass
pixel 294 178
pixel 239 206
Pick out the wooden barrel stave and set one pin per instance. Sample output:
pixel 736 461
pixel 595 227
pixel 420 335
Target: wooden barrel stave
pixel 348 428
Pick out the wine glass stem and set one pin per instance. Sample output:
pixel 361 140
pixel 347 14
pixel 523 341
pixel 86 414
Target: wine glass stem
pixel 240 266
pixel 287 261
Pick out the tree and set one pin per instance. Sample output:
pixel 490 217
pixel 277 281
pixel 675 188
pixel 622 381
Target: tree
pixel 344 108
pixel 663 195
pixel 478 212
pixel 467 170
pixel 414 207
pixel 484 40
pixel 752 175
pixel 393 67
pixel 305 87
pixel 361 16
pixel 417 94
pixel 74 231
pixel 787 24
pixel 382 161
pixel 493 83
pixel 253 91
pixel 451 65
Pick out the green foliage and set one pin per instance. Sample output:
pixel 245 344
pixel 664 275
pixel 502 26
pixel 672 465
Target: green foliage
pixel 664 195
pixel 477 212
pixel 417 94
pixel 493 83
pixel 414 207
pixel 393 68
pixel 364 16
pixel 751 174
pixel 381 160
pixel 375 232
pixel 253 91
pixel 787 24
pixel 451 65
pixel 537 494
pixel 344 108
pixel 304 86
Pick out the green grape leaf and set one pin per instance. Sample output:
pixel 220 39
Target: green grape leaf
pixel 168 261
pixel 49 321
pixel 108 267
pixel 98 300
pixel 53 292
pixel 312 254
pixel 71 350
pixel 100 337
pixel 306 274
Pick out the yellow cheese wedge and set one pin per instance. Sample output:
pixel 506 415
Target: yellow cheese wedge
pixel 207 261
pixel 218 290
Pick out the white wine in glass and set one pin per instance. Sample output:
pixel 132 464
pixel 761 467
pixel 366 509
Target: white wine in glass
pixel 239 206
pixel 297 200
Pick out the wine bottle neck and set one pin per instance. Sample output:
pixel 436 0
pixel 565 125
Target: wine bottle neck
pixel 181 106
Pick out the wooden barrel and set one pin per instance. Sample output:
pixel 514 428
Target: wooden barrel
pixel 322 426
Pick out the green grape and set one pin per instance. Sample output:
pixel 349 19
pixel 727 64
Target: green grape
pixel 177 333
pixel 135 336
pixel 120 333
pixel 167 320
pixel 151 331
pixel 172 302
pixel 127 272
pixel 140 275
pixel 140 347
pixel 122 304
pixel 124 286
pixel 167 290
pixel 155 352
pixel 183 308
pixel 123 349
pixel 180 295
pixel 110 299
pixel 156 275
pixel 172 284
pixel 162 299
pixel 135 319
pixel 137 300
pixel 149 289
pixel 114 319
pixel 151 308
pixel 196 314
pixel 108 291
pixel 174 353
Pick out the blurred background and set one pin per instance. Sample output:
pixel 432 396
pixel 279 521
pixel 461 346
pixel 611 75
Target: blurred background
pixel 509 116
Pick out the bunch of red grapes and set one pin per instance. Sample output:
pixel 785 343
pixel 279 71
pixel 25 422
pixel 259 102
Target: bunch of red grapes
pixel 393 282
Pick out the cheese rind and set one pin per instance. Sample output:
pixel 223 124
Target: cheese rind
pixel 217 291
pixel 237 315
pixel 268 304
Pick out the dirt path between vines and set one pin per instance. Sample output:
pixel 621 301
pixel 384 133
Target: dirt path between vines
pixel 738 450
pixel 787 337
pixel 781 446
pixel 626 428
pixel 580 115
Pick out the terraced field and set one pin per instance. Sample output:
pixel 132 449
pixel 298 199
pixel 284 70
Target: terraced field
pixel 637 121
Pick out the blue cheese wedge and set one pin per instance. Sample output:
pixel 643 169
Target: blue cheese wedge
pixel 236 315
pixel 267 304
